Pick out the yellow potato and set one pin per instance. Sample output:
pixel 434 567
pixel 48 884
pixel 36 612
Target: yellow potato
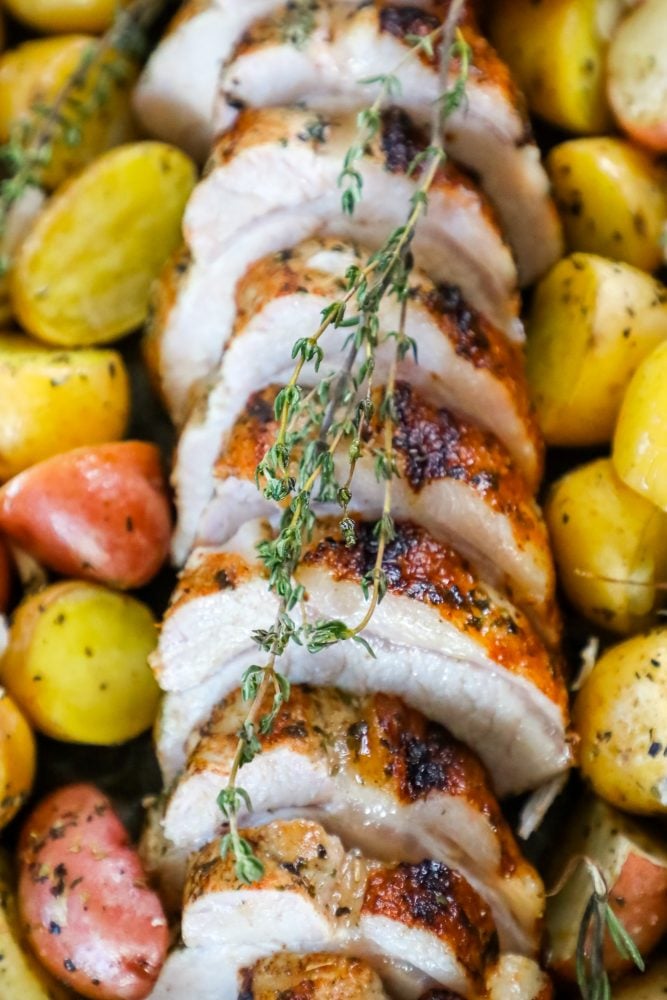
pixel 620 715
pixel 17 759
pixel 53 16
pixel 77 663
pixel 650 985
pixel 83 274
pixel 592 322
pixel 21 975
pixel 34 73
pixel 610 547
pixel 51 401
pixel 556 50
pixel 612 198
pixel 640 440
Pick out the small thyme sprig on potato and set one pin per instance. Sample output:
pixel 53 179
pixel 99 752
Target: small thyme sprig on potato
pixel 107 60
pixel 334 413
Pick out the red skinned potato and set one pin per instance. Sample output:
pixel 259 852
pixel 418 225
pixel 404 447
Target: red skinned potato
pixel 99 513
pixel 84 901
pixel 637 74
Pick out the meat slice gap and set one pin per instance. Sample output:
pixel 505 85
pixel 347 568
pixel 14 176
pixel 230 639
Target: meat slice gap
pixel 444 641
pixel 330 73
pixel 453 479
pixel 462 362
pixel 273 182
pixel 377 774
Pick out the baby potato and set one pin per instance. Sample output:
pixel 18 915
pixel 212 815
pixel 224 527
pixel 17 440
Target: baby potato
pixel 17 759
pixel 612 198
pixel 591 323
pixel 610 547
pixel 35 73
pixel 637 84
pixel 557 52
pixel 77 663
pixel 83 274
pixel 620 715
pixel 84 899
pixel 51 401
pixel 640 440
pixel 54 16
pixel 100 512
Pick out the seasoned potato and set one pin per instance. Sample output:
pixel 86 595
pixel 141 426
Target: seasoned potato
pixel 35 72
pixel 52 16
pixel 638 74
pixel 621 716
pixel 83 274
pixel 592 321
pixel 101 513
pixel 640 440
pixel 557 52
pixel 633 862
pixel 610 546
pixel 22 977
pixel 17 759
pixel 51 401
pixel 612 198
pixel 77 663
pixel 84 900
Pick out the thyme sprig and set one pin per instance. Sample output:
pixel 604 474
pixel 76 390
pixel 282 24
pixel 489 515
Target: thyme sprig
pixel 598 921
pixel 336 411
pixel 30 148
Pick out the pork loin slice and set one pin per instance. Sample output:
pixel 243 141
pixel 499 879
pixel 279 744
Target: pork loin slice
pixel 454 479
pixel 464 362
pixel 489 133
pixel 273 182
pixel 444 641
pixel 313 896
pixel 317 977
pixel 381 777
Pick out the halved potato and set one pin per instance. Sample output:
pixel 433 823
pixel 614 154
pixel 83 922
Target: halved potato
pixel 640 441
pixel 591 323
pixel 51 401
pixel 638 74
pixel 52 16
pixel 612 198
pixel 83 274
pixel 34 74
pixel 557 50
pixel 610 547
pixel 17 759
pixel 633 862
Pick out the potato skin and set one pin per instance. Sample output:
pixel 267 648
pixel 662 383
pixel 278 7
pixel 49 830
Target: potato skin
pixel 54 400
pixel 77 663
pixel 612 198
pixel 606 538
pixel 557 52
pixel 128 205
pixel 36 71
pixel 591 323
pixel 53 16
pixel 101 513
pixel 90 915
pixel 640 440
pixel 17 758
pixel 620 716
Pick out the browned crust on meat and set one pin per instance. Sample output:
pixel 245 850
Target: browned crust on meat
pixel 418 567
pixel 310 977
pixel 432 897
pixel 187 12
pixel 164 296
pixel 218 571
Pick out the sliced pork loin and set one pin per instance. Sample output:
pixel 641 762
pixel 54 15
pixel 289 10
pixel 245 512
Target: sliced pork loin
pixel 273 182
pixel 444 641
pixel 313 896
pixel 489 133
pixel 381 777
pixel 454 480
pixel 464 362
pixel 319 975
